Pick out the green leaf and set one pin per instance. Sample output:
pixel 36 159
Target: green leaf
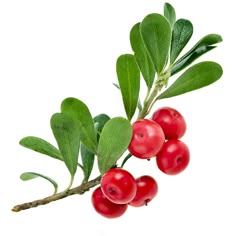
pixel 182 32
pixel 156 34
pixel 201 47
pixel 129 81
pixel 139 102
pixel 99 123
pixel 196 77
pixel 141 55
pixel 66 133
pixel 87 160
pixel 86 155
pixel 32 175
pixel 169 13
pixel 114 140
pixel 81 114
pixel 41 146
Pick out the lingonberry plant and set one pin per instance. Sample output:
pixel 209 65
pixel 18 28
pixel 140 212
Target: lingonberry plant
pixel 157 42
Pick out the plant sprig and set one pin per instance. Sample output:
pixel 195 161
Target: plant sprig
pixel 157 43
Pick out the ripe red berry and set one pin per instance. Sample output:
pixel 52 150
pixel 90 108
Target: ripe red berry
pixel 105 207
pixel 147 189
pixel 147 139
pixel 171 121
pixel 173 158
pixel 118 185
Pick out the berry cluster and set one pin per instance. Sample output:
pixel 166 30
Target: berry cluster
pixel 119 189
pixel 156 137
pixel 159 137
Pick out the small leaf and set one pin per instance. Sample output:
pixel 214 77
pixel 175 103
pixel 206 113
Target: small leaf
pixel 32 175
pixel 41 146
pixel 201 47
pixel 141 55
pixel 182 32
pixel 66 133
pixel 81 114
pixel 169 13
pixel 129 82
pixel 114 140
pixel 99 123
pixel 156 34
pixel 196 77
pixel 87 160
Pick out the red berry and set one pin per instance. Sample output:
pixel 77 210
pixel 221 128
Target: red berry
pixel 118 185
pixel 147 189
pixel 171 121
pixel 173 158
pixel 105 207
pixel 147 139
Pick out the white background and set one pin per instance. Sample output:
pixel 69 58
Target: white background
pixel 50 50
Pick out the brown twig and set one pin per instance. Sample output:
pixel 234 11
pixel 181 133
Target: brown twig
pixel 77 190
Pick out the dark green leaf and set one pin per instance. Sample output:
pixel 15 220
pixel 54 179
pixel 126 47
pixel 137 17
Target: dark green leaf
pixel 129 82
pixel 156 34
pixel 182 32
pixel 32 175
pixel 66 133
pixel 81 114
pixel 203 46
pixel 99 123
pixel 41 146
pixel 87 160
pixel 141 55
pixel 114 140
pixel 196 77
pixel 169 13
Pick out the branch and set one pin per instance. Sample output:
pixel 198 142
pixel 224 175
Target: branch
pixel 81 189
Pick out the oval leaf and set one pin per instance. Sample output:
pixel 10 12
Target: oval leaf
pixel 41 146
pixel 169 13
pixel 87 160
pixel 99 123
pixel 141 55
pixel 81 114
pixel 66 133
pixel 196 77
pixel 201 47
pixel 182 32
pixel 114 140
pixel 129 81
pixel 156 34
pixel 32 175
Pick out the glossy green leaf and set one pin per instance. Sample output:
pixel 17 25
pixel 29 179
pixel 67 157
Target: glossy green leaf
pixel 182 32
pixel 81 114
pixel 114 140
pixel 129 82
pixel 141 55
pixel 41 146
pixel 169 13
pixel 32 175
pixel 156 34
pixel 196 77
pixel 99 122
pixel 203 46
pixel 66 133
pixel 87 160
